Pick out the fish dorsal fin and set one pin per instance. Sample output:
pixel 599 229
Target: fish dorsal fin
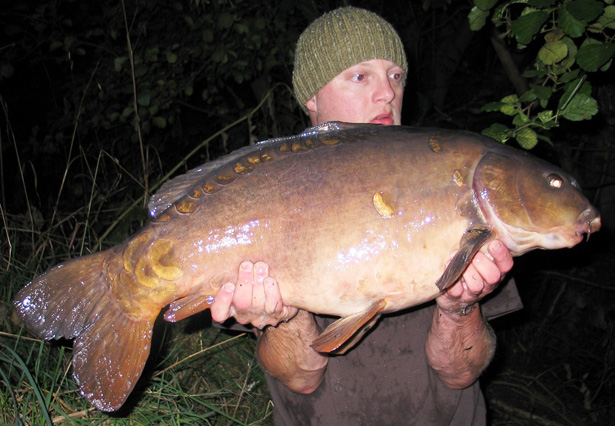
pixel 333 126
pixel 344 333
pixel 226 169
pixel 174 189
pixel 472 241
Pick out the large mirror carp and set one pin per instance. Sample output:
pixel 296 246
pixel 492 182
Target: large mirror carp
pixel 354 221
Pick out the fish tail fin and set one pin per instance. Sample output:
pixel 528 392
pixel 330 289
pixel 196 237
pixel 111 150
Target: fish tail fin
pixel 75 300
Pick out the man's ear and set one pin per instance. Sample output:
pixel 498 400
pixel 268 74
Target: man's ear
pixel 312 107
pixel 311 104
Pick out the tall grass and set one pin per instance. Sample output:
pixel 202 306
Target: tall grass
pixel 196 374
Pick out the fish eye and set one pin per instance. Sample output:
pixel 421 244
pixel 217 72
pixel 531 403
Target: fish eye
pixel 555 181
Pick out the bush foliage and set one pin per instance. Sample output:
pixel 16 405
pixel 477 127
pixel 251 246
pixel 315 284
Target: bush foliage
pixel 571 40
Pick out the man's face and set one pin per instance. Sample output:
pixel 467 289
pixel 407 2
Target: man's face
pixel 369 92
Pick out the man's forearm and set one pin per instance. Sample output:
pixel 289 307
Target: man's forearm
pixel 285 353
pixel 459 347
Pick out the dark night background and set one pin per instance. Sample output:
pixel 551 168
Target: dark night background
pixel 72 160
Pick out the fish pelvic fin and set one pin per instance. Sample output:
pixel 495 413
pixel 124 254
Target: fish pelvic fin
pixel 470 244
pixel 188 306
pixel 74 300
pixel 346 332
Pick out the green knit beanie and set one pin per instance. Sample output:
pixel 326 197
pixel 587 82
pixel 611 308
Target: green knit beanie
pixel 338 40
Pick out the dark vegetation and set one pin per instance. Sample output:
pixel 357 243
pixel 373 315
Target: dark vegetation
pixel 92 121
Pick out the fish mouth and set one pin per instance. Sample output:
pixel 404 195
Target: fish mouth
pixel 520 241
pixel 588 223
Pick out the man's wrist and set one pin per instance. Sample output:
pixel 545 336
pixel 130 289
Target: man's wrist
pixel 459 310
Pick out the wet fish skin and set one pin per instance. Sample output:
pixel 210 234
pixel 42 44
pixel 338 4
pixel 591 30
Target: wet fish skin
pixel 343 214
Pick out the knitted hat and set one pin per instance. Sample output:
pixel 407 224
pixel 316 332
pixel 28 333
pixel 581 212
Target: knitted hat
pixel 338 40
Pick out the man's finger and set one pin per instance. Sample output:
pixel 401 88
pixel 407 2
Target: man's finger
pixel 486 273
pixel 243 292
pixel 273 298
pixel 221 306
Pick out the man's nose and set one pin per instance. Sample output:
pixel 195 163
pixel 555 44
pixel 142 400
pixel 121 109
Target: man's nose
pixel 384 91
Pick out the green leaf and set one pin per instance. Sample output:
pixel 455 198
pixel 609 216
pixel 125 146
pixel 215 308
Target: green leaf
pixel 226 20
pixel 510 99
pixel 545 116
pixel 127 111
pixel 141 70
pixel 171 57
pixel 528 96
pixel 606 66
pixel 607 20
pixel 520 119
pixel 571 58
pixel 552 53
pixel 144 99
pixel 491 107
pixel 477 18
pixel 509 110
pixel 260 23
pixel 498 132
pixel 526 26
pixel 189 21
pixel 585 10
pixel 540 4
pixel 526 138
pixel 510 105
pixel 485 4
pixel 592 56
pixel 542 92
pixel 241 28
pixel 578 85
pixel 159 122
pixel 6 70
pixel 218 55
pixel 569 76
pixel 581 107
pixel 208 35
pixel 569 24
pixel 55 45
pixel 533 73
pixel 545 139
pixel 554 35
pixel 118 62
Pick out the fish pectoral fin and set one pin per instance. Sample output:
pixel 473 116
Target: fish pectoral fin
pixel 346 332
pixel 188 306
pixel 470 244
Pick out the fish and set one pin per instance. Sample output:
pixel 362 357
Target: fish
pixel 354 220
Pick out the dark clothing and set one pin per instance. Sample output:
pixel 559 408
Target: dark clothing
pixel 386 380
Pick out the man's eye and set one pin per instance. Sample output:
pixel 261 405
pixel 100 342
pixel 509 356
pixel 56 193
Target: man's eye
pixel 359 77
pixel 397 76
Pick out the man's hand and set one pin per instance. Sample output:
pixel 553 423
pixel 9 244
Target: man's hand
pixel 480 279
pixel 255 299
pixel 460 343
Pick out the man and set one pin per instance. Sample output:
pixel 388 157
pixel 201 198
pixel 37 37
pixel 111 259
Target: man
pixel 415 367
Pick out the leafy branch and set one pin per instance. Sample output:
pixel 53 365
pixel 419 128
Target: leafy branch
pixel 573 40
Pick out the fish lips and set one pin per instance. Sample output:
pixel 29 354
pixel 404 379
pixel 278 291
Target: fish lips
pixel 589 222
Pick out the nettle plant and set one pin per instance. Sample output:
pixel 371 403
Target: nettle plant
pixel 574 39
